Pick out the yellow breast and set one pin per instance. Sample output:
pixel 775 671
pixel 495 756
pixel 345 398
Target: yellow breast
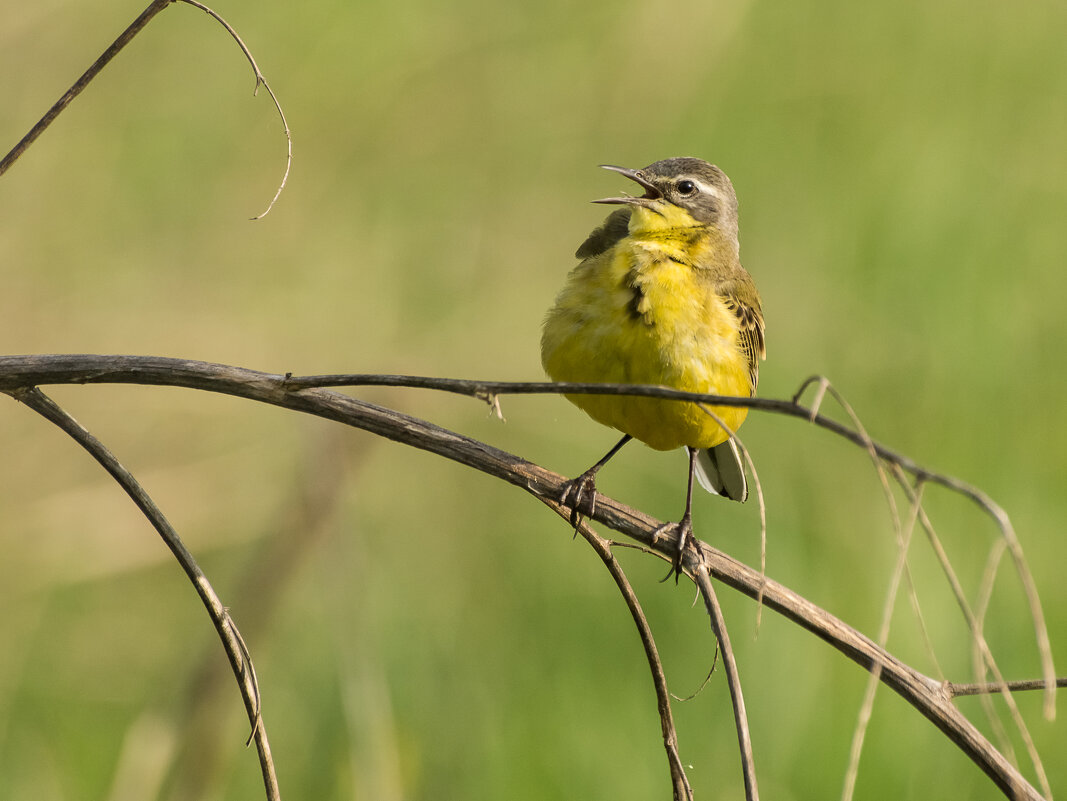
pixel 641 313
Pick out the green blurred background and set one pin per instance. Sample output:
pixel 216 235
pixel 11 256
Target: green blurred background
pixel 421 631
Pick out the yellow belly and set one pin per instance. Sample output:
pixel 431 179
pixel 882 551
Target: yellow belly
pixel 676 332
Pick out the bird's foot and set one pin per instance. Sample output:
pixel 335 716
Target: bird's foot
pixel 683 529
pixel 580 495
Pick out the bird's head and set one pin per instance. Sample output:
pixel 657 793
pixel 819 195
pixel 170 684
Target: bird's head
pixel 679 193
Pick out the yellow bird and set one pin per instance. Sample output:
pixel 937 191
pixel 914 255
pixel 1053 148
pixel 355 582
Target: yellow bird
pixel 660 297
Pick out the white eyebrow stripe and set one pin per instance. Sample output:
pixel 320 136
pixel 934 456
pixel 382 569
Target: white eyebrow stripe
pixel 711 190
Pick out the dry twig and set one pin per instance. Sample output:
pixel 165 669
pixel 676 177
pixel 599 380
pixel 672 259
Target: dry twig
pixel 233 643
pixel 930 697
pixel 790 408
pixel 697 568
pixel 113 50
pixel 680 782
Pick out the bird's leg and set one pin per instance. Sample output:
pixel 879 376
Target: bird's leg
pixel 580 493
pixel 683 527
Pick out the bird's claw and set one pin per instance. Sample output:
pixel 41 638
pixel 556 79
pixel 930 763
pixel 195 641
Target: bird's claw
pixel 684 531
pixel 579 494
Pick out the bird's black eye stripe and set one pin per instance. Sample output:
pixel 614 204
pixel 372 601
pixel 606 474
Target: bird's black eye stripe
pixel 686 187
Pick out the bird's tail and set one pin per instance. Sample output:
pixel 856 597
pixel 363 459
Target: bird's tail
pixel 720 471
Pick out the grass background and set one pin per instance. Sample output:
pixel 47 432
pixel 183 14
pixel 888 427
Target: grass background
pixel 419 630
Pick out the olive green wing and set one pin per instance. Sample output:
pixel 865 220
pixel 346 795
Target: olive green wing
pixel 614 228
pixel 743 300
pixel 721 470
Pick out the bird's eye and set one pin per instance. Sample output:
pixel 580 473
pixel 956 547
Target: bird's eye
pixel 686 187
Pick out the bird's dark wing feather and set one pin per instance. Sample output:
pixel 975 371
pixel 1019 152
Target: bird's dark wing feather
pixel 615 227
pixel 746 305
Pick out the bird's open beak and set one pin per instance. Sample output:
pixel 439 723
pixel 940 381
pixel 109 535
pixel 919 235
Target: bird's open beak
pixel 651 192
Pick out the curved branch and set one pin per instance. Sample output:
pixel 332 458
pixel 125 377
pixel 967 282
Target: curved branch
pixel 232 641
pixel 113 49
pixel 490 390
pixel 124 38
pixel 260 81
pixel 682 790
pixel 927 695
pixel 699 571
pixel 80 368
